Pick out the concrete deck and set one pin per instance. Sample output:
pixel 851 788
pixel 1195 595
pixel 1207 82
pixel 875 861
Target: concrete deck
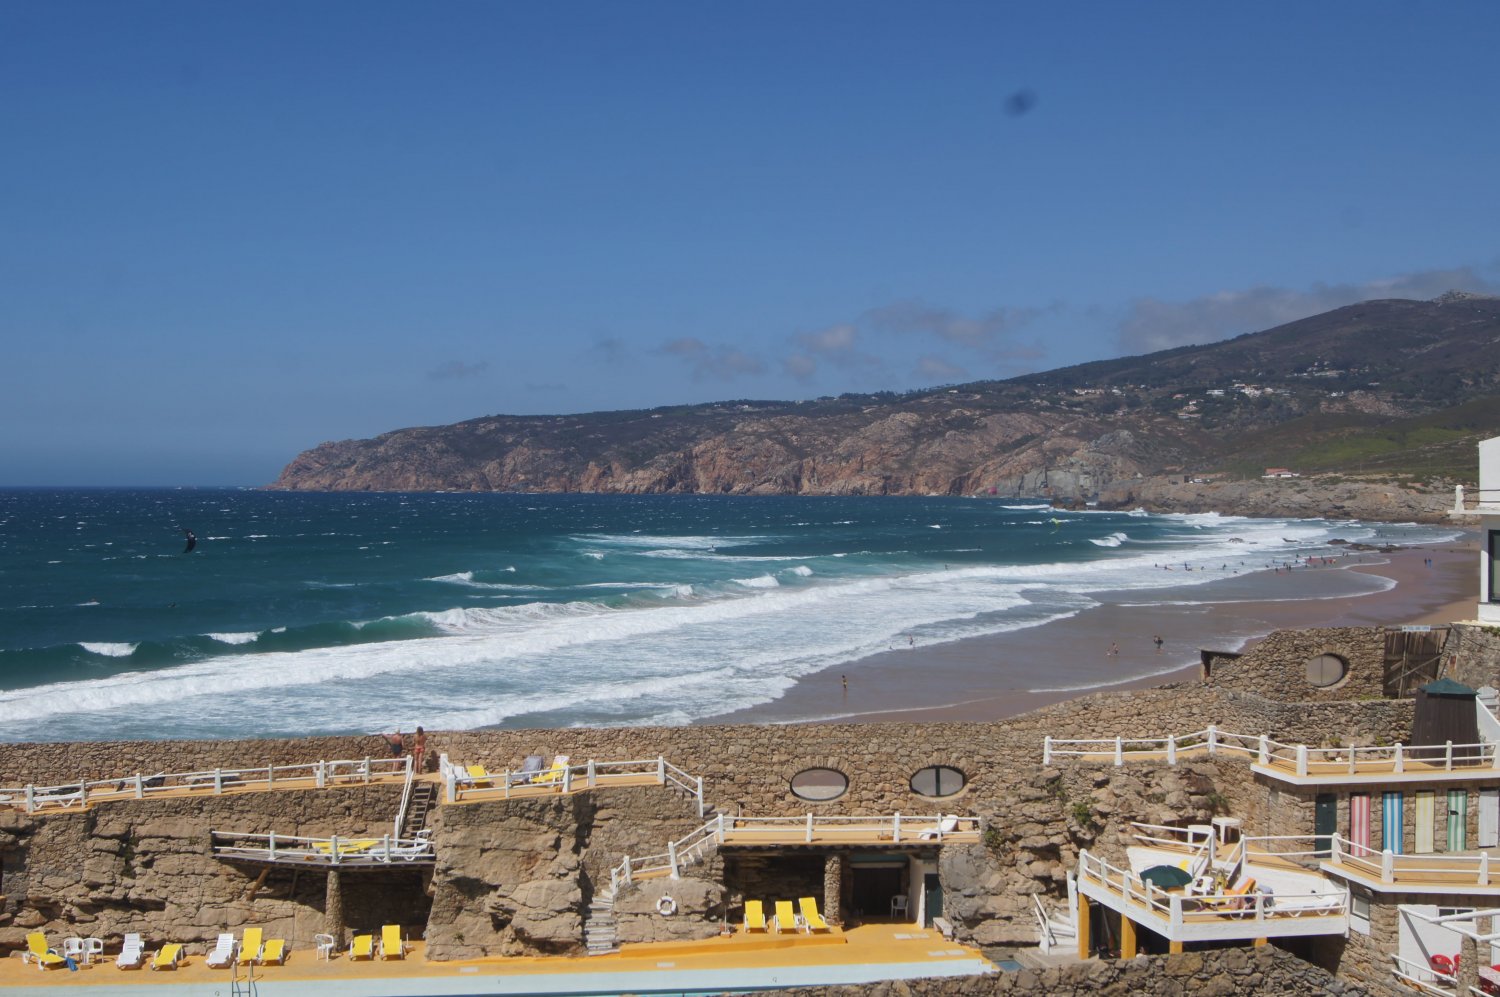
pixel 861 955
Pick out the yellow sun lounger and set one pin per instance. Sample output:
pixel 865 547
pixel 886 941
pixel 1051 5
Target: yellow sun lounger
pixel 39 953
pixel 350 846
pixel 274 954
pixel 555 775
pixel 755 915
pixel 169 956
pixel 478 775
pixel 391 945
pixel 363 947
pixel 811 919
pixel 786 919
pixel 250 946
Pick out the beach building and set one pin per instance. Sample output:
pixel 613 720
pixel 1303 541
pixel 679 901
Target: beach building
pixel 1485 504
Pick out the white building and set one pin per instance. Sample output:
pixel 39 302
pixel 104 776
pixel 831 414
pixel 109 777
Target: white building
pixel 1487 508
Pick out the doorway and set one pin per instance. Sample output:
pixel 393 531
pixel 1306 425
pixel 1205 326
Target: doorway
pixel 875 887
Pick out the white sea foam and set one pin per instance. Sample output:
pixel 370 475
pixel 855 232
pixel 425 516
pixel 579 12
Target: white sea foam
pixel 801 570
pixel 235 638
pixel 112 650
pixel 1112 540
pixel 758 582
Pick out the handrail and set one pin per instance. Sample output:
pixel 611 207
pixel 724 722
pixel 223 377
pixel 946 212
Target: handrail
pixel 1425 978
pixel 459 785
pixel 1264 750
pixel 334 850
pixel 405 799
pixel 1391 868
pixel 1049 938
pixel 364 771
pixel 1215 907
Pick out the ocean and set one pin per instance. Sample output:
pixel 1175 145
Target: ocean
pixel 301 614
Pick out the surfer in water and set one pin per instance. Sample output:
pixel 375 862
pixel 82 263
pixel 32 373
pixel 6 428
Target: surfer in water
pixel 192 541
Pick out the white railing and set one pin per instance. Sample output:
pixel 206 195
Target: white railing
pixel 459 785
pixel 321 774
pixel 807 828
pixel 1049 938
pixel 1424 978
pixel 405 802
pixel 1179 910
pixel 1426 870
pixel 335 850
pixel 812 827
pixel 1489 725
pixel 1392 759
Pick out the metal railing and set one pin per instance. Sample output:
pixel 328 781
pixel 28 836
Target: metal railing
pixel 1179 910
pixel 330 851
pixel 405 802
pixel 805 829
pixel 460 786
pixel 320 774
pixel 1410 870
pixel 1424 978
pixel 1394 759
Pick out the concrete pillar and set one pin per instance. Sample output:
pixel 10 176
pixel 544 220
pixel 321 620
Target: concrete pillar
pixel 1083 926
pixel 1127 938
pixel 333 909
pixel 1468 964
pixel 833 888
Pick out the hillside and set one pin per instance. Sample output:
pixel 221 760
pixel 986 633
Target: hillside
pixel 1390 392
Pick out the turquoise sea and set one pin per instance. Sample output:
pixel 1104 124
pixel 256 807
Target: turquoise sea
pixel 309 613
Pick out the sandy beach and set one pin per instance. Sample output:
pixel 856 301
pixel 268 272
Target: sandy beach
pixel 1011 673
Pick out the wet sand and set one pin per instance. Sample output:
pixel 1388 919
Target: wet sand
pixel 1007 674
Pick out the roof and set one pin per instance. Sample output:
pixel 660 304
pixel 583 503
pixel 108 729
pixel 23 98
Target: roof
pixel 1447 687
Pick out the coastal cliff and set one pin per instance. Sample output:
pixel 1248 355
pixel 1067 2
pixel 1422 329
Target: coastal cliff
pixel 1377 407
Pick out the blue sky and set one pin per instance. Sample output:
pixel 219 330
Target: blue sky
pixel 230 231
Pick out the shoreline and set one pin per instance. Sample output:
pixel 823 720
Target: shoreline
pixel 1007 674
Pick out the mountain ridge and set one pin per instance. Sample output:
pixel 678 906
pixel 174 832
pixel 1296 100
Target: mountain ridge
pixel 1390 390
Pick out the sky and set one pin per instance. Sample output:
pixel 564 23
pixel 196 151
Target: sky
pixel 231 231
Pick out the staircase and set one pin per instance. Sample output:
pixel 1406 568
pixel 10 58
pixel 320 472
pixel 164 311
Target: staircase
pixel 599 931
pixel 424 797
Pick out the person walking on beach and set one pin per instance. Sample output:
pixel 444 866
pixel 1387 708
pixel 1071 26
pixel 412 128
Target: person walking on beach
pixel 1155 640
pixel 419 750
pixel 845 679
pixel 1114 650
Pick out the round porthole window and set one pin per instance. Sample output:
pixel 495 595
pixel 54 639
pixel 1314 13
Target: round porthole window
pixel 1326 670
pixel 819 785
pixel 937 780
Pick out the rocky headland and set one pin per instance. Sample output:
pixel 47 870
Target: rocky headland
pixel 1375 407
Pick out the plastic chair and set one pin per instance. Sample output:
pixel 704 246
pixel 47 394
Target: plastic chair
pixel 898 906
pixel 91 948
pixel 73 948
pixel 326 945
pixel 1441 964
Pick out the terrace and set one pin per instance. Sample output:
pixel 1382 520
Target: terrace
pixel 1278 895
pixel 84 793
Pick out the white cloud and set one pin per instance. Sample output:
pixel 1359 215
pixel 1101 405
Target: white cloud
pixel 1153 324
pixel 712 363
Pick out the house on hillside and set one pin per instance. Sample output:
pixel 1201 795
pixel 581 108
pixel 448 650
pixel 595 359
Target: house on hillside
pixel 1487 507
pixel 1280 472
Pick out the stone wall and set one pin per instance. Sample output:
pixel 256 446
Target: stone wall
pixel 1036 819
pixel 1215 973
pixel 1276 667
pixel 147 866
pixel 516 877
pixel 1472 655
